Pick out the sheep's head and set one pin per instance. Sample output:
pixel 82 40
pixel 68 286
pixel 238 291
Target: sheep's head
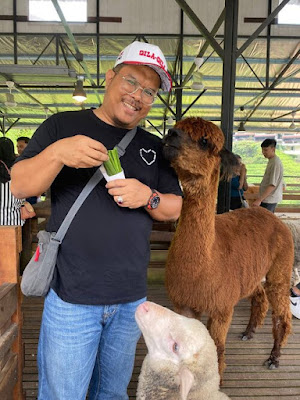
pixel 179 345
pixel 195 148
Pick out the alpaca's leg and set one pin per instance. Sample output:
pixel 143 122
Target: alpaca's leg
pixel 218 325
pixel 186 311
pixel 277 289
pixel 259 308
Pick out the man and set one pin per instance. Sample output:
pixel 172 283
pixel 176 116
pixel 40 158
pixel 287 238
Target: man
pixel 22 143
pixel 271 187
pixel 295 300
pixel 88 333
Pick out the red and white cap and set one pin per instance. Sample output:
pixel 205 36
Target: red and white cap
pixel 141 53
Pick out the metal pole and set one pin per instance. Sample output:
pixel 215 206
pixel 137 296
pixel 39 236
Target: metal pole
pixel 15 32
pixel 98 41
pixel 180 53
pixel 228 91
pixel 268 46
pixel 199 25
pixel 266 22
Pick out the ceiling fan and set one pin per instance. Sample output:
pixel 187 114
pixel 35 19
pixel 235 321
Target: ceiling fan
pixel 10 98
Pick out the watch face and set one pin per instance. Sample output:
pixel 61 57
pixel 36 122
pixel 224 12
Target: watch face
pixel 154 202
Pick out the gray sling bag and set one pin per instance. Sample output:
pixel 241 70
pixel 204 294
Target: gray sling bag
pixel 38 273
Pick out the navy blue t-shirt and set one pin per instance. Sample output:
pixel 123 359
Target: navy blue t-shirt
pixel 104 256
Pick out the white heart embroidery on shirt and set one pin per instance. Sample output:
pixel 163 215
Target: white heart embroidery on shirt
pixel 149 156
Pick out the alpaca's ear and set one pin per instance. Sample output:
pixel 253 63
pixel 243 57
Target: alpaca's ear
pixel 228 163
pixel 186 378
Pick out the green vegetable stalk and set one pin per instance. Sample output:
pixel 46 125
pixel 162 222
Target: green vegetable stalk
pixel 113 165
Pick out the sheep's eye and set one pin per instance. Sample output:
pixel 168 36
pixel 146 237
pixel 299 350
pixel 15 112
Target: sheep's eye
pixel 175 347
pixel 203 143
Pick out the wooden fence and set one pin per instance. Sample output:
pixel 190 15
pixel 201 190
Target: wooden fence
pixel 11 350
pixel 291 193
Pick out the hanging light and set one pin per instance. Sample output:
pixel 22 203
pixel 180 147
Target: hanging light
pixel 241 127
pixel 293 125
pixel 79 94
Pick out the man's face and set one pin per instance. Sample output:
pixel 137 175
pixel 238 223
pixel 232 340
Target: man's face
pixel 268 152
pixel 21 144
pixel 127 110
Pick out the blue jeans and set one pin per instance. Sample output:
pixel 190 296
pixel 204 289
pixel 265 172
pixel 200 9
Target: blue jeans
pixel 86 348
pixel 269 206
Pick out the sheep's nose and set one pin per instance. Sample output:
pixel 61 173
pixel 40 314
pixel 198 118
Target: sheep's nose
pixel 144 307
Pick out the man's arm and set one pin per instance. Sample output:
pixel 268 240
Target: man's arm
pixel 169 208
pixel 243 178
pixel 135 194
pixel 33 176
pixel 264 195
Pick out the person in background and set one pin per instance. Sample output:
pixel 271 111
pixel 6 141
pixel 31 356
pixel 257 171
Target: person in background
pixel 295 300
pixel 271 187
pixel 238 185
pixel 22 143
pixel 88 333
pixel 10 206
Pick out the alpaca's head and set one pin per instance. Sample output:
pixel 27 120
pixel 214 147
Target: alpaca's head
pixel 195 148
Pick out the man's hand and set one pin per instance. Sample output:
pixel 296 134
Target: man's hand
pixel 80 152
pixel 256 203
pixel 134 193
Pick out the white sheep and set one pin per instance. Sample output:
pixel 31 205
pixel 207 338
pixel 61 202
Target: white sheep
pixel 181 363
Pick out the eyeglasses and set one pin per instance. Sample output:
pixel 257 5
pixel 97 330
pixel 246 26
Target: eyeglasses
pixel 131 85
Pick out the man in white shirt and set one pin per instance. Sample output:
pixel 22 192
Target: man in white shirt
pixel 271 187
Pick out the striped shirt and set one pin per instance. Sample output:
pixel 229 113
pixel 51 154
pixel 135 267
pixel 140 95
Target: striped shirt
pixel 10 213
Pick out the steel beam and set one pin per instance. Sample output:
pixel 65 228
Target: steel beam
pixel 284 115
pixel 193 102
pixel 178 92
pixel 36 70
pixel 73 41
pixel 200 26
pixel 268 46
pixel 266 22
pixel 11 125
pixel 276 81
pixel 228 91
pixel 205 46
pixel 15 32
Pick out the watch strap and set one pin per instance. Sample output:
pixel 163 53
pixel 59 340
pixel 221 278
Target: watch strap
pixel 153 194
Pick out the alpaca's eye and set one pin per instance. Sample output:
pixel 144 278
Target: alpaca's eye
pixel 175 347
pixel 203 143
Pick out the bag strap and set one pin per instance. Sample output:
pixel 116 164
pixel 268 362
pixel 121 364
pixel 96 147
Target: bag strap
pixel 6 167
pixel 240 195
pixel 92 183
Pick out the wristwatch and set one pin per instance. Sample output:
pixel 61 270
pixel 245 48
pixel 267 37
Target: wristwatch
pixel 153 201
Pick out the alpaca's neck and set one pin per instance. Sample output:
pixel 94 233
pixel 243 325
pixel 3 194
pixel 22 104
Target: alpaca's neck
pixel 198 211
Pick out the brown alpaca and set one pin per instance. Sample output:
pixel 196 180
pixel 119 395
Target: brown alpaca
pixel 216 260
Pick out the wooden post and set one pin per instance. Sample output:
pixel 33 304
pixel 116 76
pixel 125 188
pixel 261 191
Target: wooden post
pixel 10 248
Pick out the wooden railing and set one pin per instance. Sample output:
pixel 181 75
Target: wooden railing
pixel 252 194
pixel 11 350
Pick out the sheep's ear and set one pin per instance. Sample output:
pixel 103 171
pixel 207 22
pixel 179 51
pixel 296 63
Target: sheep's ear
pixel 186 378
pixel 228 162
